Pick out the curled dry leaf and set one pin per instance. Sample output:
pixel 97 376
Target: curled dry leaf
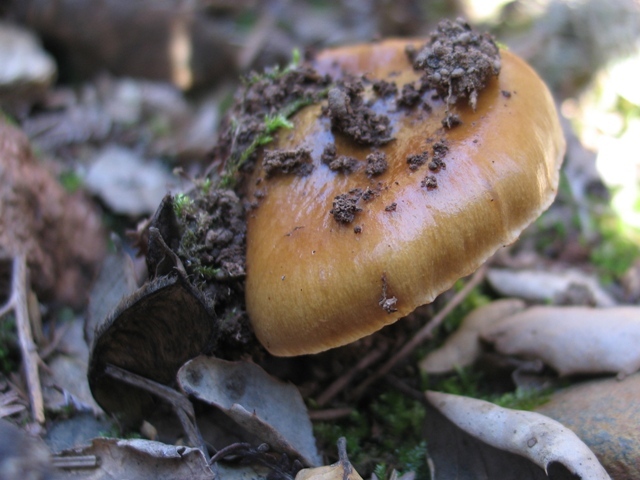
pixel 267 408
pixel 547 286
pixel 150 333
pixel 604 413
pixel 341 470
pixel 542 441
pixel 463 347
pixel 573 340
pixel 137 458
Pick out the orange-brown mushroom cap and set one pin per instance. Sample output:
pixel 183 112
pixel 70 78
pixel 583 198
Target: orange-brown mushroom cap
pixel 313 283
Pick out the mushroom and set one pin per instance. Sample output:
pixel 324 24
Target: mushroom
pixel 335 256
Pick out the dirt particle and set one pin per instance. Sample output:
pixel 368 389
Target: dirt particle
pixel 345 206
pixel 440 149
pixel 417 160
pixel 329 154
pixel 341 163
pixel 457 62
pixel 357 229
pixel 409 96
pixel 352 116
pixel 505 93
pixel 376 164
pixel 436 165
pixel 391 208
pixel 369 194
pixel 388 304
pixel 429 182
pixel 296 161
pixel 383 89
pixel 451 120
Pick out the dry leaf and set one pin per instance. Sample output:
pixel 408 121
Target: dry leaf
pixel 541 286
pixel 128 184
pixel 268 408
pixel 535 440
pixel 138 459
pixel 463 347
pixel 573 340
pixel 150 333
pixel 341 470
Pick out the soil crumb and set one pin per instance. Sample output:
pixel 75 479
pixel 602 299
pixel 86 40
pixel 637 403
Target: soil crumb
pixel 388 304
pixel 451 120
pixel 440 150
pixel 264 96
pixel 383 89
pixel 351 116
pixel 296 161
pixel 376 164
pixel 409 96
pixel 338 163
pixel 417 160
pixel 429 182
pixel 457 62
pixel 345 206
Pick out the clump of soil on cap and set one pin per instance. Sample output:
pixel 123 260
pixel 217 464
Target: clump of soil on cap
pixel 351 115
pixel 259 109
pixel 345 206
pixel 383 89
pixel 212 248
pixel 417 160
pixel 457 62
pixel 296 161
pixel 338 163
pixel 376 164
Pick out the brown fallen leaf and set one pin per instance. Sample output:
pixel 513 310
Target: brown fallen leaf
pixel 483 440
pixel 463 347
pixel 572 340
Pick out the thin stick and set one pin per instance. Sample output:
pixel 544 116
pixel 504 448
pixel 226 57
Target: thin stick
pixel 423 334
pixel 181 405
pixel 341 382
pixel 18 303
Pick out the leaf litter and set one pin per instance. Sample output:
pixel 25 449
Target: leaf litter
pixel 96 132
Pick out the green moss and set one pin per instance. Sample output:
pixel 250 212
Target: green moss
pixel 70 181
pixel 522 398
pixel 182 205
pixel 466 381
pixel 383 436
pixel 617 249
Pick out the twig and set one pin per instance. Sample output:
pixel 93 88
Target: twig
pixel 18 303
pixel 341 382
pixel 181 405
pixel 329 414
pixel 423 334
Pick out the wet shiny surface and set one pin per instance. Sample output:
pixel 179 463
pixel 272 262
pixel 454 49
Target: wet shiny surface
pixel 313 283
